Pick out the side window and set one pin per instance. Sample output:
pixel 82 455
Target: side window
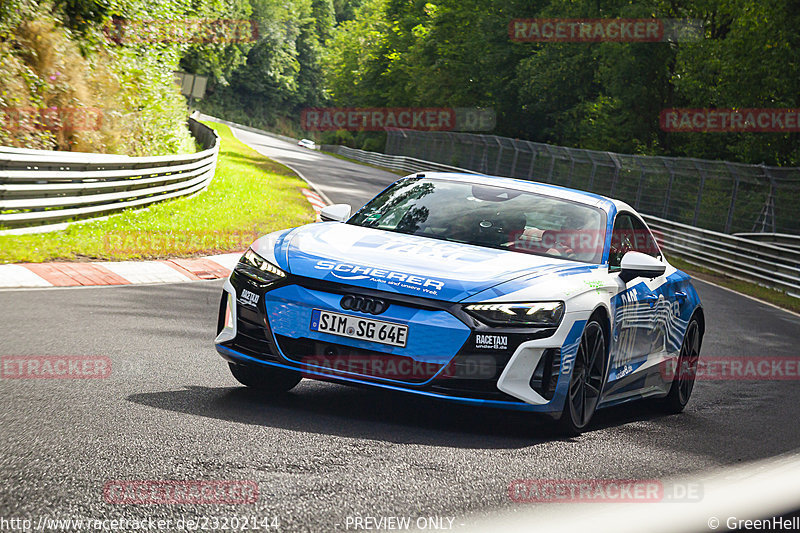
pixel 643 240
pixel 630 233
pixel 621 239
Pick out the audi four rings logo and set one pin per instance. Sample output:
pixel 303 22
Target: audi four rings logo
pixel 364 304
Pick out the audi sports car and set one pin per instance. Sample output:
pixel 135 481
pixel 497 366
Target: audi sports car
pixel 475 289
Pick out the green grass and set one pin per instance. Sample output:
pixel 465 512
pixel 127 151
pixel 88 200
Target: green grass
pixel 751 289
pixel 249 196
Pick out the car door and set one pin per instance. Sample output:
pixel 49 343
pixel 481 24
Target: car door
pixel 638 328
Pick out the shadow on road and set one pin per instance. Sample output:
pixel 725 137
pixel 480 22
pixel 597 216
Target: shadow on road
pixel 379 415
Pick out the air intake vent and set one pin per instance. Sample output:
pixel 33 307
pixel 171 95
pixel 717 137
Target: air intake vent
pixel 545 376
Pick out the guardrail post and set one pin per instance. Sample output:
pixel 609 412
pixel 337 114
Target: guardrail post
pixel 485 158
pixel 617 168
pixel 671 169
pixel 591 175
pixel 768 211
pixel 699 192
pixel 552 168
pixel 514 159
pixel 641 181
pixel 568 181
pixel 534 153
pixel 732 206
pixel 499 155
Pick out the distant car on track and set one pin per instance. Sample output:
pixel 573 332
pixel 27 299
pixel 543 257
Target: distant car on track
pixel 307 143
pixel 476 289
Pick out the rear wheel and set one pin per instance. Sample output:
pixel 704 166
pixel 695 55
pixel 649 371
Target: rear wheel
pixel 586 381
pixel 271 380
pixel 683 382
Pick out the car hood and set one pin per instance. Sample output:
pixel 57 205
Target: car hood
pixel 406 264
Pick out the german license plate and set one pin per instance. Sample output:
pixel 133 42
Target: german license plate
pixel 356 327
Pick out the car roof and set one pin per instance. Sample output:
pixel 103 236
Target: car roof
pixel 546 189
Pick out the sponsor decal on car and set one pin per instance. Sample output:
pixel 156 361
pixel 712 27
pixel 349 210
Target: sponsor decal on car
pixel 491 342
pixel 249 298
pixel 350 272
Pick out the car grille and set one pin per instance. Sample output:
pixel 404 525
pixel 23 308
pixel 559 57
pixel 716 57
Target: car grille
pixel 338 359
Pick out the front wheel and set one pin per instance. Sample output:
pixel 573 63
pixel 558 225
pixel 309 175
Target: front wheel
pixel 683 382
pixel 586 381
pixel 271 380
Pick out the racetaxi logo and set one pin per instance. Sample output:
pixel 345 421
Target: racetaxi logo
pixel 353 272
pixel 491 342
pixel 249 298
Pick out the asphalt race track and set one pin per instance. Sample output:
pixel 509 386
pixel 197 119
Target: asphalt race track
pixel 170 410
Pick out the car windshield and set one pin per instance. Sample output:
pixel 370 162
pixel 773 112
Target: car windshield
pixel 489 216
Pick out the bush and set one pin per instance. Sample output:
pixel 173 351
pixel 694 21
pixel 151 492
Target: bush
pixel 59 93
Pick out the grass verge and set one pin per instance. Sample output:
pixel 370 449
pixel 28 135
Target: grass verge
pixel 751 289
pixel 249 196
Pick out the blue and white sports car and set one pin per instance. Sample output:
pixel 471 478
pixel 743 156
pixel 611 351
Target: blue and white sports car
pixel 476 289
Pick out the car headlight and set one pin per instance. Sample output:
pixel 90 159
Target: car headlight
pixel 259 269
pixel 533 314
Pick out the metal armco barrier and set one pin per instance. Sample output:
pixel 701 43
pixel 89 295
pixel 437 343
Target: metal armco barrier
pixel 41 187
pixel 396 162
pixel 766 263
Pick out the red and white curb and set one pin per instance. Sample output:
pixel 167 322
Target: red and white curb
pixel 314 199
pixel 116 273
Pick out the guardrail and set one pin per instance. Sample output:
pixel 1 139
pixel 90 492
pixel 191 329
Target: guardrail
pixel 783 240
pixel 767 264
pixel 763 263
pixel 396 162
pixel 39 187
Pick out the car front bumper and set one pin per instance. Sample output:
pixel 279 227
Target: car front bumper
pixel 446 358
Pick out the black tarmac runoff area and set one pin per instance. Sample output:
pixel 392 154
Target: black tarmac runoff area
pixel 324 455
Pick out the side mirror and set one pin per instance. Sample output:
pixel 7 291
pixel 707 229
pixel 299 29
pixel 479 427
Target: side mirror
pixel 639 265
pixel 335 213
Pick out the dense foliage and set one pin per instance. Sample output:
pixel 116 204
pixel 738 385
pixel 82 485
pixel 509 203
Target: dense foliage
pixel 64 85
pixel 604 96
pixel 457 53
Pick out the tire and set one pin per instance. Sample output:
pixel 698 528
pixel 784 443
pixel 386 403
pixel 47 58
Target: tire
pixel 586 380
pixel 683 382
pixel 265 379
